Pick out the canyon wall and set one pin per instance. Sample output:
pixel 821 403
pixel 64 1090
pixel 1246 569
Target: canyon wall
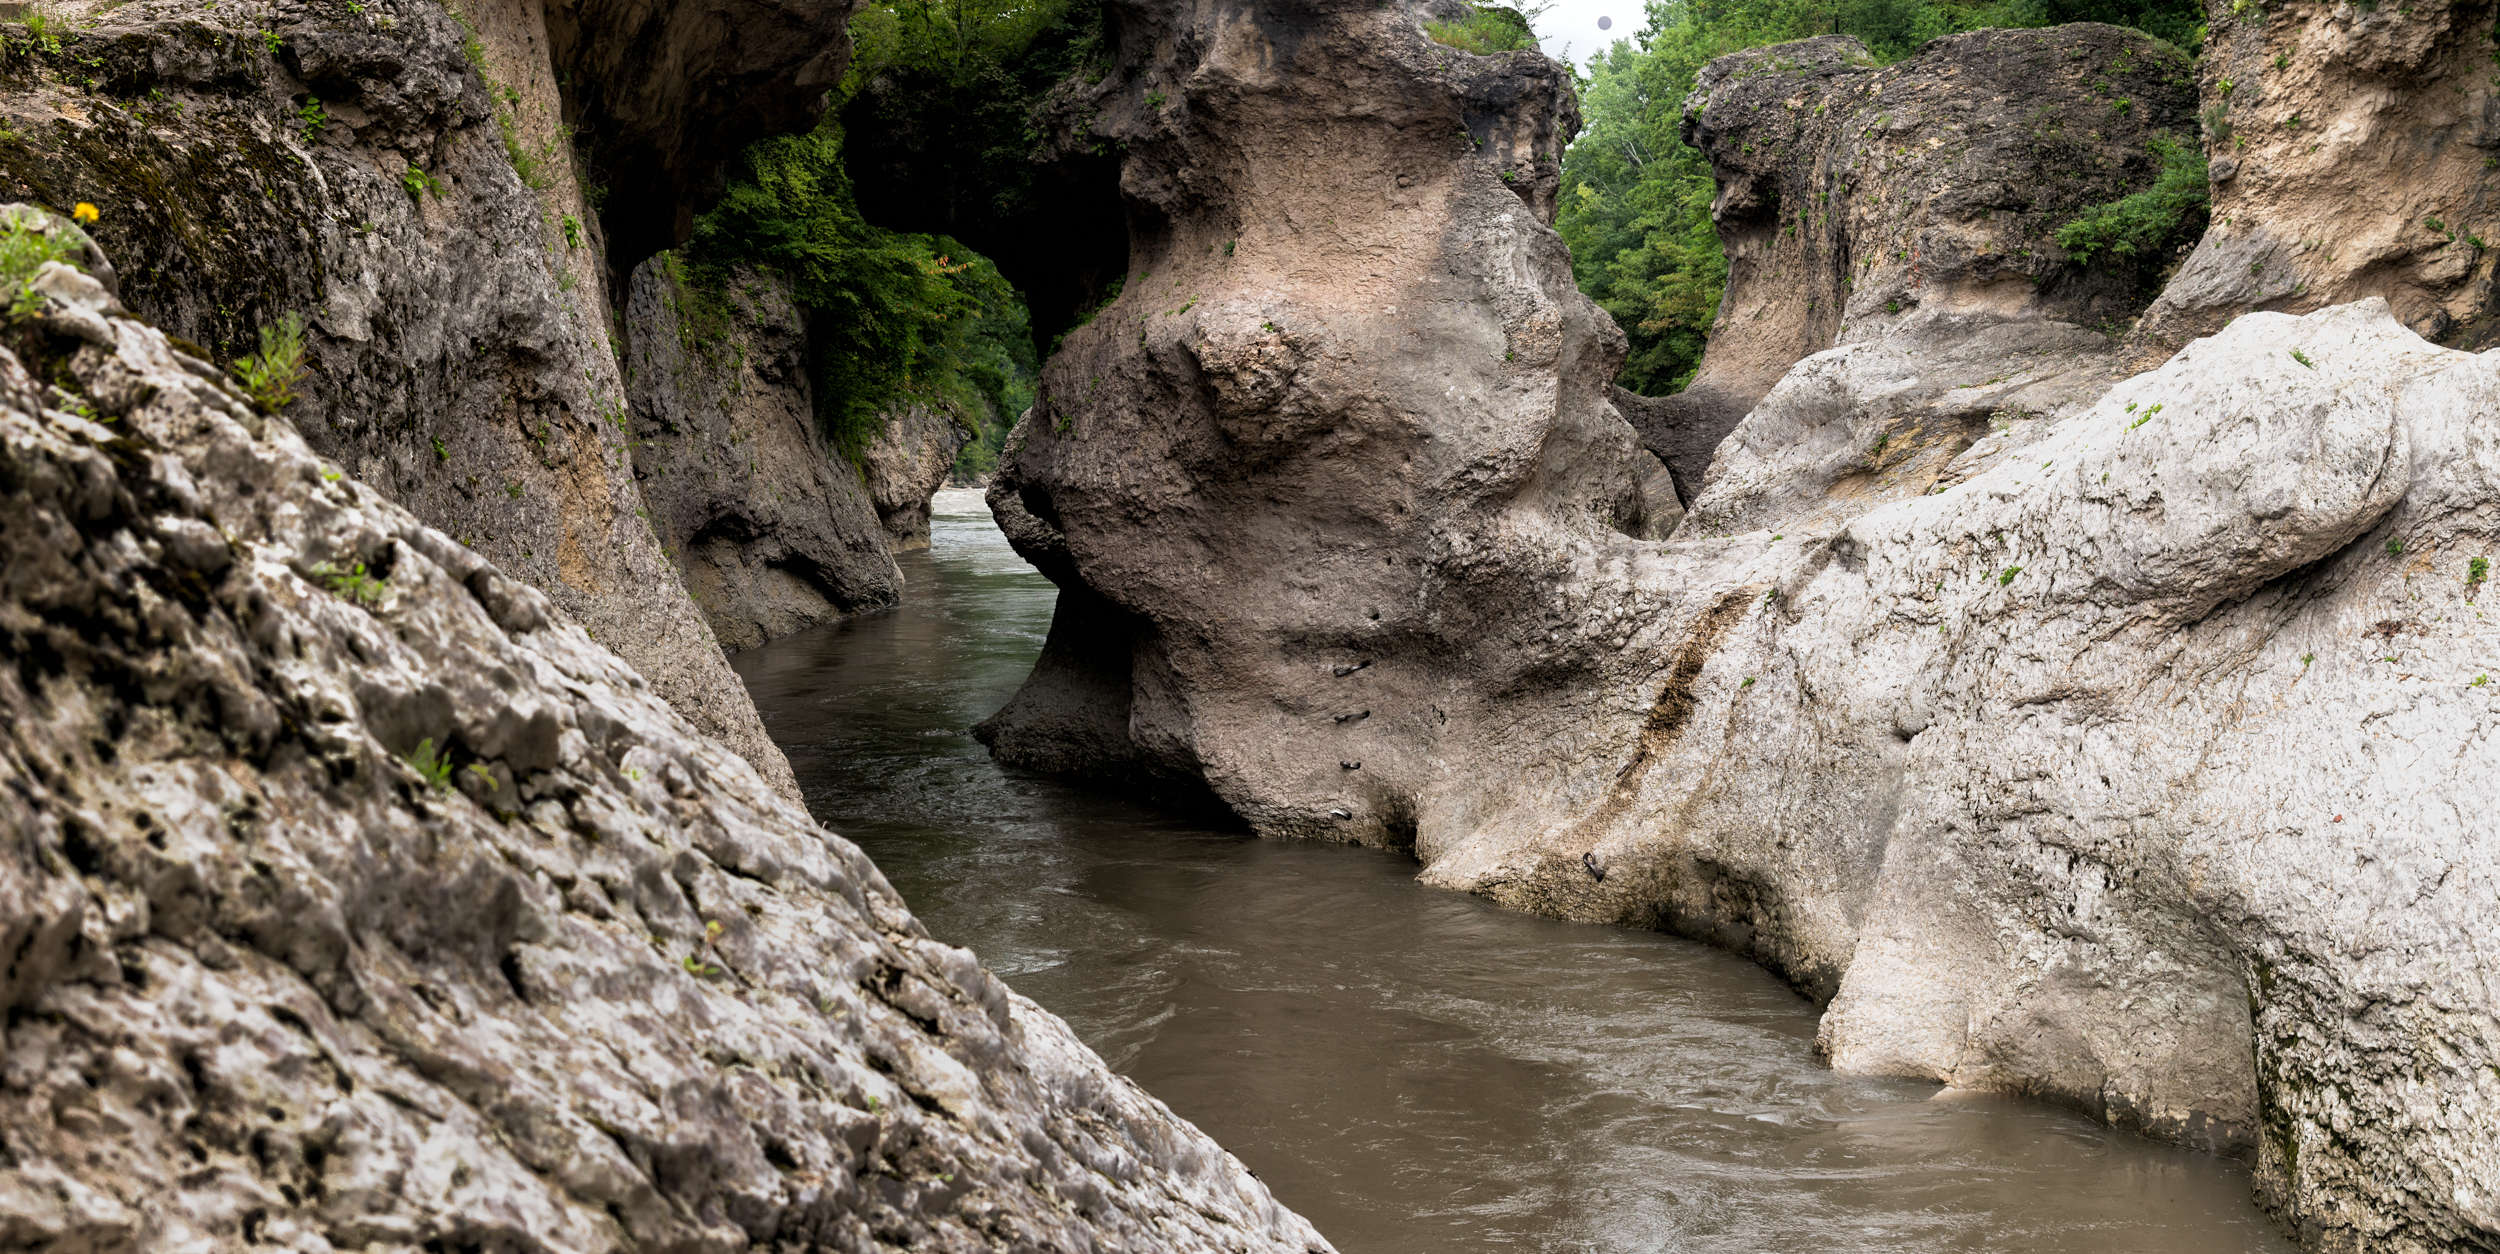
pixel 422 185
pixel 354 897
pixel 2354 149
pixel 2118 740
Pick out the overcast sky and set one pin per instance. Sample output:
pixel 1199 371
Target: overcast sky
pixel 1573 24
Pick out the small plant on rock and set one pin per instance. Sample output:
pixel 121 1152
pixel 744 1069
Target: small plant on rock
pixel 419 183
pixel 352 584
pixel 24 250
pixel 271 374
pixel 431 764
pixel 1490 29
pixel 2303 358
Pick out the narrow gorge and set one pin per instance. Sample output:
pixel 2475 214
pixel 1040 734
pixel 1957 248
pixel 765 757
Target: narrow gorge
pixel 466 481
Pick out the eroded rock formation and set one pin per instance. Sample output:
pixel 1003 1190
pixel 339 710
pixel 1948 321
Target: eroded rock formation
pixel 773 529
pixel 353 897
pixel 402 176
pixel 2116 740
pixel 2353 151
pixel 906 464
pixel 1915 204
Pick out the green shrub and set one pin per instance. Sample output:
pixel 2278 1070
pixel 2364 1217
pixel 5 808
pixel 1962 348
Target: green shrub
pixel 1490 29
pixel 24 249
pixel 2147 227
pixel 270 375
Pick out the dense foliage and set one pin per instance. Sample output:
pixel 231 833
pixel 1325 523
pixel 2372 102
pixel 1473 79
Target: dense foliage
pixel 1636 198
pixel 894 317
pixel 2150 225
pixel 901 316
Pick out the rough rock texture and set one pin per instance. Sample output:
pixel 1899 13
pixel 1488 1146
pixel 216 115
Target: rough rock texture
pixel 666 94
pixel 772 528
pixel 399 175
pixel 272 984
pixel 2353 150
pixel 1339 262
pixel 906 464
pixel 2133 755
pixel 1858 203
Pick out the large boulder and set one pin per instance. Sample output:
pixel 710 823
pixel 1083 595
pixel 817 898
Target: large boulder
pixel 354 897
pixel 1913 203
pixel 405 179
pixel 2352 147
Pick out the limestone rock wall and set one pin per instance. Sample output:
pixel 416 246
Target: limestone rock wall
pixel 399 173
pixel 2113 739
pixel 354 897
pixel 906 464
pixel 772 528
pixel 2353 149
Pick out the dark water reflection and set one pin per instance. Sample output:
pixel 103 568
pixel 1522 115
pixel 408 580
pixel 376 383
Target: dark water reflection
pixel 1416 1070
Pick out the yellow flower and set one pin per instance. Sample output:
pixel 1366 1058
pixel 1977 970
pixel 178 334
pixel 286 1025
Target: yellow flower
pixel 85 212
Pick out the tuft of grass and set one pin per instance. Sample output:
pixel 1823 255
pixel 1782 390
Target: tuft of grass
pixel 270 375
pixel 1488 30
pixel 25 248
pixel 352 585
pixel 2476 571
pixel 2396 547
pixel 2007 578
pixel 2303 358
pixel 431 764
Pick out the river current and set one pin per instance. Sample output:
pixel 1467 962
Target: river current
pixel 1417 1071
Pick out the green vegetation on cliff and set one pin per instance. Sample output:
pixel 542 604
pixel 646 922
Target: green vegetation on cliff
pixel 930 129
pixel 1636 198
pixel 893 317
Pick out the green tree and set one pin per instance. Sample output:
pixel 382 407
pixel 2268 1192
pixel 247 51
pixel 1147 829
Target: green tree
pixel 1636 198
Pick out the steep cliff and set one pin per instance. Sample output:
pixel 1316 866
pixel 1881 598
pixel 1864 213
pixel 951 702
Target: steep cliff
pixel 1914 205
pixel 2120 743
pixel 353 897
pixel 400 175
pixel 772 528
pixel 2353 150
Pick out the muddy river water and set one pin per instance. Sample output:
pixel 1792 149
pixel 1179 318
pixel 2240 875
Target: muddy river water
pixel 1416 1070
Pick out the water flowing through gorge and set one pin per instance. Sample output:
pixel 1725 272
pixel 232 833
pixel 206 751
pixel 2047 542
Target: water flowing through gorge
pixel 1416 1070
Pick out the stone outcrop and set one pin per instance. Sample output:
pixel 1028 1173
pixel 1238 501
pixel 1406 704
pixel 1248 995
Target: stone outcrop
pixel 772 528
pixel 2115 740
pixel 908 461
pixel 1912 203
pixel 2353 149
pixel 353 897
pixel 401 176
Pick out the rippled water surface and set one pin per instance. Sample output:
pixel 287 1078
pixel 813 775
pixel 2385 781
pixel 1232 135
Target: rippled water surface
pixel 1415 1070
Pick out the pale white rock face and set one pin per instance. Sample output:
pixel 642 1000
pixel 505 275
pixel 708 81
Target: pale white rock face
pixel 2135 770
pixel 353 897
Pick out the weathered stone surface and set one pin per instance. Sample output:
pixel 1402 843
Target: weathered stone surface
pixel 591 985
pixel 1913 202
pixel 1343 341
pixel 2352 147
pixel 772 528
pixel 905 465
pixel 2129 756
pixel 400 176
